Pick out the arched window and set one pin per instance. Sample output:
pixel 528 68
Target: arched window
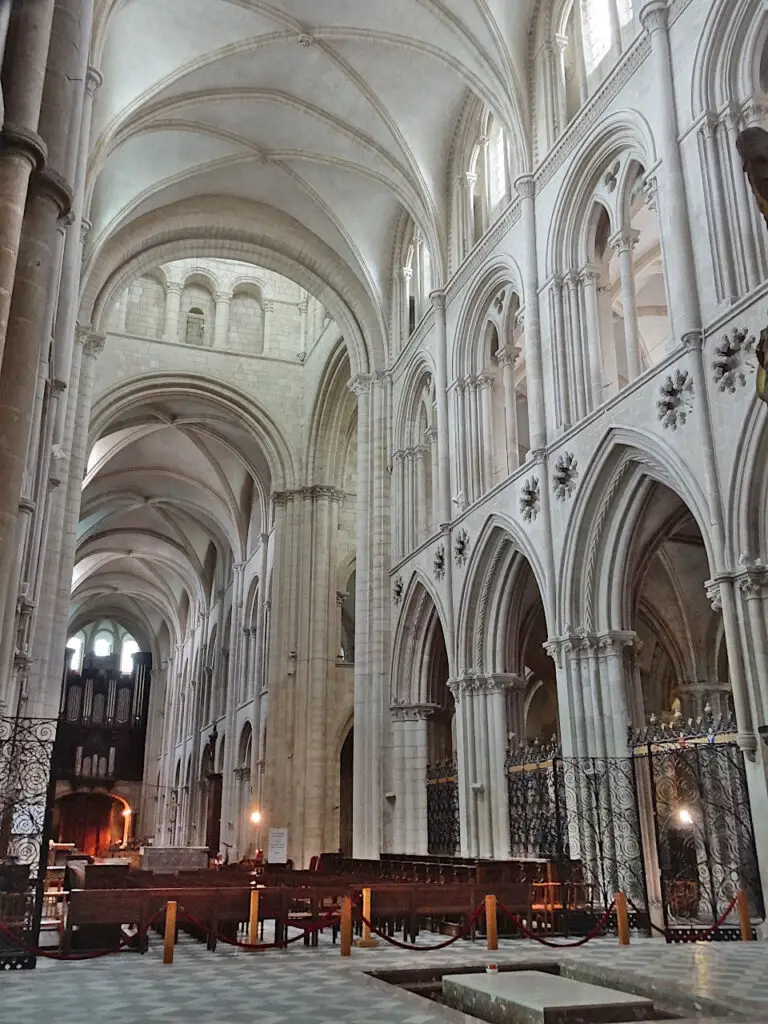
pixel 75 644
pixel 195 334
pixel 130 647
pixel 102 645
pixel 497 166
pixel 601 20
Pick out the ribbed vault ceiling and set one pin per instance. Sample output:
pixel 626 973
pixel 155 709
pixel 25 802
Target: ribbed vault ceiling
pixel 337 113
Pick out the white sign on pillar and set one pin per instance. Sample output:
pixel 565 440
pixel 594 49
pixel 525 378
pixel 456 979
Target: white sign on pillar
pixel 277 851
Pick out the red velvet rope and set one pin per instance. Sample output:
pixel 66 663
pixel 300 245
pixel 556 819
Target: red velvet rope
pixel 465 928
pixel 557 945
pixel 331 918
pixel 92 955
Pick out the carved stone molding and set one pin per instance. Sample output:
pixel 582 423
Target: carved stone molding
pixel 402 711
pixel 361 384
pixel 461 548
pixel 732 363
pixel 675 404
pixel 565 476
pixel 713 595
pixel 397 590
pixel 530 499
pixel 438 566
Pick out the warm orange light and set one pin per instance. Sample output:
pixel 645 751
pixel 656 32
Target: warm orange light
pixel 127 812
pixel 256 817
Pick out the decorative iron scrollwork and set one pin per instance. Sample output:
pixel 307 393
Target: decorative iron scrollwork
pixel 26 752
pixel 443 827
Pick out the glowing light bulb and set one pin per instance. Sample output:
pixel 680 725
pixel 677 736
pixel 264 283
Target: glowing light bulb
pixel 685 816
pixel 256 817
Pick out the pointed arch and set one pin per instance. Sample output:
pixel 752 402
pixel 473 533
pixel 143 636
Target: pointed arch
pixel 422 612
pixel 617 482
pixel 501 557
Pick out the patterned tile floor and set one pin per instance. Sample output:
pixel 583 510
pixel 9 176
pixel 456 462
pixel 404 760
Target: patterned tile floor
pixel 315 986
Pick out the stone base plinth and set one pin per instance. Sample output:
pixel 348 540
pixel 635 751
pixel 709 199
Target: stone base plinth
pixel 533 997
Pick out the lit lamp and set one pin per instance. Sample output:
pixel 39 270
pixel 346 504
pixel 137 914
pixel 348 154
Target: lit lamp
pixel 256 817
pixel 126 825
pixel 685 817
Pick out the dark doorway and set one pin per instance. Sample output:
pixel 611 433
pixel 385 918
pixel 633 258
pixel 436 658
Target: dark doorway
pixel 346 775
pixel 92 821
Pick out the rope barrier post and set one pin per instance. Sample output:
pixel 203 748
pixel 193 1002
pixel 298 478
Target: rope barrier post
pixel 253 919
pixel 622 919
pixel 346 926
pixel 169 938
pixel 745 925
pixel 366 942
pixel 491 924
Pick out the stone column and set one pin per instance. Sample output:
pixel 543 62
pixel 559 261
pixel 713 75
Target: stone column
pixel 398 459
pixel 498 792
pixel 407 276
pixel 172 311
pixel 441 402
pixel 579 383
pixel 221 321
pixel 26 327
pixel 269 308
pixel 474 469
pixel 43 652
pixel 718 198
pixel 685 314
pixel 485 386
pixel 590 277
pixel 754 590
pixel 616 702
pixel 422 512
pixel 561 42
pixel 410 728
pixel 69 291
pixel 92 345
pixel 526 187
pixel 623 245
pixel 22 150
pixel 431 436
pixel 506 357
pixel 562 355
pixel 410 501
pixel 615 27
pixel 366 798
pixel 462 691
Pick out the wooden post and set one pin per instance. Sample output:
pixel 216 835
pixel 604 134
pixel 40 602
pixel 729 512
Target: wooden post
pixel 253 920
pixel 491 925
pixel 366 942
pixel 169 938
pixel 745 925
pixel 622 919
pixel 346 926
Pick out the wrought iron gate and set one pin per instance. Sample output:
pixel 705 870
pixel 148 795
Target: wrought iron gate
pixel 26 797
pixel 443 836
pixel 703 828
pixel 581 814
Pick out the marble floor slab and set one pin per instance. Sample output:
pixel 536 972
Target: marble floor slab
pixel 301 985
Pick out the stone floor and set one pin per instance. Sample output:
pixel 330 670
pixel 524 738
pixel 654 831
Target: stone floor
pixel 315 986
